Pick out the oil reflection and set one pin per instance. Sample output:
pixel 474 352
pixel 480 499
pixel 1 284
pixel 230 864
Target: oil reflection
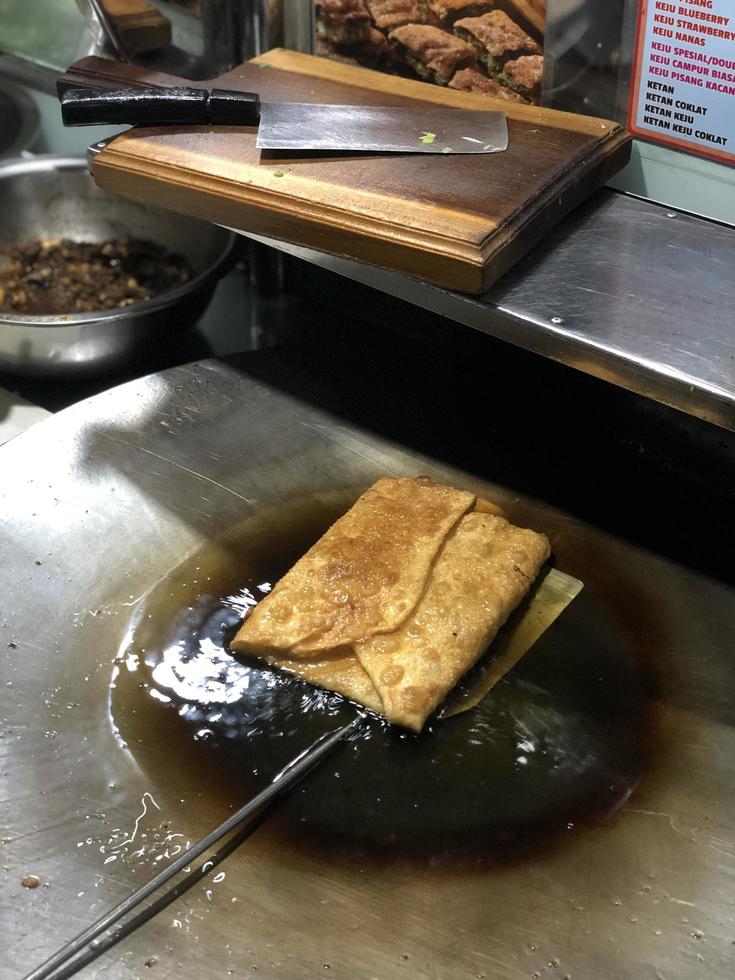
pixel 561 741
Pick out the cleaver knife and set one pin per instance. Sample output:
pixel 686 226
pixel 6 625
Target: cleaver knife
pixel 294 125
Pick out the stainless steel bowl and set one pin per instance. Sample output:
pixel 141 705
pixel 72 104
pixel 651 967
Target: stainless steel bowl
pixel 55 197
pixel 20 123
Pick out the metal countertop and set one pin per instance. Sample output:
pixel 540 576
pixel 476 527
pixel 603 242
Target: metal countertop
pixel 625 290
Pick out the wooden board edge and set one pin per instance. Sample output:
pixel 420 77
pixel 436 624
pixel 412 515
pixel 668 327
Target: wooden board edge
pixel 516 236
pixel 457 267
pixel 457 264
pixel 104 73
pixel 306 64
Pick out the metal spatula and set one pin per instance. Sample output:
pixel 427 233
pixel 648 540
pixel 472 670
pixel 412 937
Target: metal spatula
pixel 294 125
pixel 549 599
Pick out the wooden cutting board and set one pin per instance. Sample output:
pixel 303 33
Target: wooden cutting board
pixel 457 221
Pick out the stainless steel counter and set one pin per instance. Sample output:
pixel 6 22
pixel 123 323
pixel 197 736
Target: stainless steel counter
pixel 624 290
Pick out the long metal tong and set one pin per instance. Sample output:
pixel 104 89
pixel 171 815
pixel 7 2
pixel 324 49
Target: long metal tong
pixel 295 770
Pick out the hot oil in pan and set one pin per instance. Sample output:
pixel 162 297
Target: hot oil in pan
pixel 562 740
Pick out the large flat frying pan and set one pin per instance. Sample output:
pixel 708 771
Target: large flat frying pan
pixel 578 823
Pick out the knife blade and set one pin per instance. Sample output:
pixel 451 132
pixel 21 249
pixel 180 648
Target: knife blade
pixel 295 125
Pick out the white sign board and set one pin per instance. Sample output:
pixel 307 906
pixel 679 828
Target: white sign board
pixel 683 81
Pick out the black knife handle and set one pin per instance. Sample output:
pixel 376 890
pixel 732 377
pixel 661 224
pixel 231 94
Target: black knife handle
pixel 160 107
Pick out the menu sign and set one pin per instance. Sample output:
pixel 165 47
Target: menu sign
pixel 683 84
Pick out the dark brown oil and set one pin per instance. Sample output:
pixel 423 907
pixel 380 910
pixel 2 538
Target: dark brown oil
pixel 561 740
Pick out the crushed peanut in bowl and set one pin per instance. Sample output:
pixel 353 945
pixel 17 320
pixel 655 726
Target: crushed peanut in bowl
pixel 54 277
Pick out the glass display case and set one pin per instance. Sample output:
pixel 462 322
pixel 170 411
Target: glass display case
pixel 485 47
pixel 192 38
pixel 565 54
pixel 584 56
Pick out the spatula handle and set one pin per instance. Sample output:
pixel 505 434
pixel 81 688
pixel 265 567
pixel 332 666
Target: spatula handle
pixel 160 107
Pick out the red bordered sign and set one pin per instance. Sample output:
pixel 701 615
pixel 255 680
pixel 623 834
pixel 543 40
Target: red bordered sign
pixel 682 91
